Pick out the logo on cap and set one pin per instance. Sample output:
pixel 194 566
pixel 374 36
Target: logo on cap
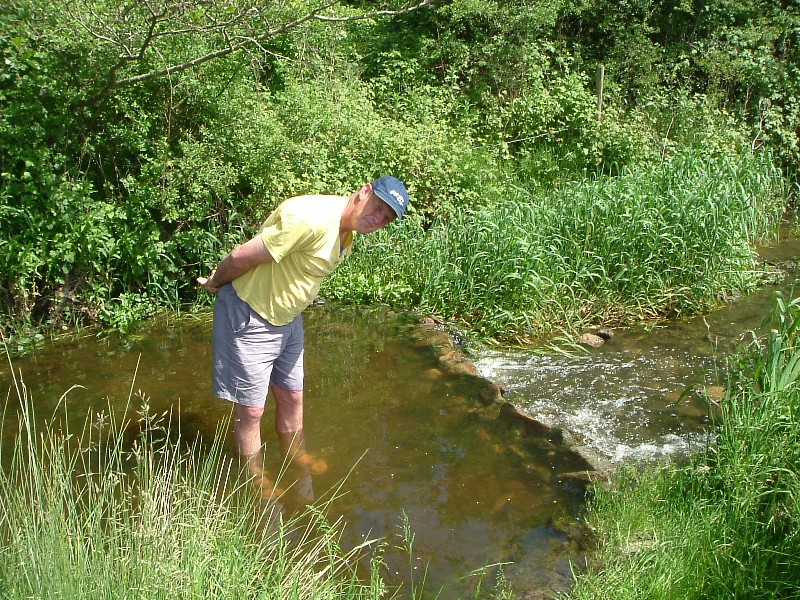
pixel 392 191
pixel 398 196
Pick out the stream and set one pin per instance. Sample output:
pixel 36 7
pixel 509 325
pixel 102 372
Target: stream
pixel 640 396
pixel 411 440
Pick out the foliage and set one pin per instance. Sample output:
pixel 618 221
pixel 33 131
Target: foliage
pixel 120 182
pixel 744 55
pixel 654 242
pixel 109 211
pixel 107 513
pixel 725 525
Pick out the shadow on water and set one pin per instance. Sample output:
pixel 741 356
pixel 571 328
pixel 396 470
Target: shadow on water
pixel 408 438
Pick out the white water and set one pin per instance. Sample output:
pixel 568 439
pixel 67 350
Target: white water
pixel 628 405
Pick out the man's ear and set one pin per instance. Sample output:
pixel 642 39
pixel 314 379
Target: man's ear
pixel 365 192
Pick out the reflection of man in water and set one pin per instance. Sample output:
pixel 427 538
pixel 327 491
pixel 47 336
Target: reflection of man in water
pixel 262 287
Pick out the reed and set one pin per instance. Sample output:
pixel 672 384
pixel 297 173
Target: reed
pixel 660 241
pixel 727 524
pixel 91 514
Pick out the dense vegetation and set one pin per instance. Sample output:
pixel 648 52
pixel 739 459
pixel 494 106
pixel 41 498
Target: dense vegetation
pixel 125 172
pixel 726 524
pixel 667 240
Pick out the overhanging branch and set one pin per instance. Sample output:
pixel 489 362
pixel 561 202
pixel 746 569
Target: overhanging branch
pixel 255 40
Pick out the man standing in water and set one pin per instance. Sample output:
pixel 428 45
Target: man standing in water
pixel 262 287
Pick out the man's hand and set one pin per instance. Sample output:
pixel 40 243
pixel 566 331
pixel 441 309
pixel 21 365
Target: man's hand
pixel 240 260
pixel 204 282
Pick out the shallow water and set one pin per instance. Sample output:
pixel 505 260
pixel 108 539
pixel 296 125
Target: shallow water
pixel 407 438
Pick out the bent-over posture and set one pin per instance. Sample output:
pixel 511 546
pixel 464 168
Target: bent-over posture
pixel 262 287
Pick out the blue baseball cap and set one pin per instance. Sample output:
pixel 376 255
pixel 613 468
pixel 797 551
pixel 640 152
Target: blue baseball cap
pixel 392 191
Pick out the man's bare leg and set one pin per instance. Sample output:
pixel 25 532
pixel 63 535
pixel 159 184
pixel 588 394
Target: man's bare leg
pixel 289 427
pixel 247 435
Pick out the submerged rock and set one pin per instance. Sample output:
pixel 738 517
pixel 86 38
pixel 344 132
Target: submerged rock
pixel 601 468
pixel 605 332
pixel 591 340
pixel 532 425
pixel 453 361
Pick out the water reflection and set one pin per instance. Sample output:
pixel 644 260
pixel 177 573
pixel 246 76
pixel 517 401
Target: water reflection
pixel 407 438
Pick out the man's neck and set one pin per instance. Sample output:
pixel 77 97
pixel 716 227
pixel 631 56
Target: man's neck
pixel 346 222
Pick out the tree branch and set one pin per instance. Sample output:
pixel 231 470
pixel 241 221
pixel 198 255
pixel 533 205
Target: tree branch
pixel 198 17
pixel 377 14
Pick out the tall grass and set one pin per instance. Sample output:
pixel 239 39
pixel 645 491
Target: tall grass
pixel 90 514
pixel 659 241
pixel 727 525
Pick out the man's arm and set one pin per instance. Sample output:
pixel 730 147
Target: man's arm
pixel 238 262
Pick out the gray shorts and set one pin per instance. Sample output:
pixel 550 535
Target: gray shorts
pixel 251 354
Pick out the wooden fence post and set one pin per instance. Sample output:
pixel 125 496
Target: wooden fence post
pixel 601 77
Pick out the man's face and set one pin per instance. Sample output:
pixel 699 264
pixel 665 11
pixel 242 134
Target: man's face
pixel 375 213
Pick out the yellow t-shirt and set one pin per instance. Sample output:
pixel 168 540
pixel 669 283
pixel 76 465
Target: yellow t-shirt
pixel 302 235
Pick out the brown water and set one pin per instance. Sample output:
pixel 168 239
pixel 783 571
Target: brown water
pixel 408 438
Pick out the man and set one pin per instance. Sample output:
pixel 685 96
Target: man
pixel 262 287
